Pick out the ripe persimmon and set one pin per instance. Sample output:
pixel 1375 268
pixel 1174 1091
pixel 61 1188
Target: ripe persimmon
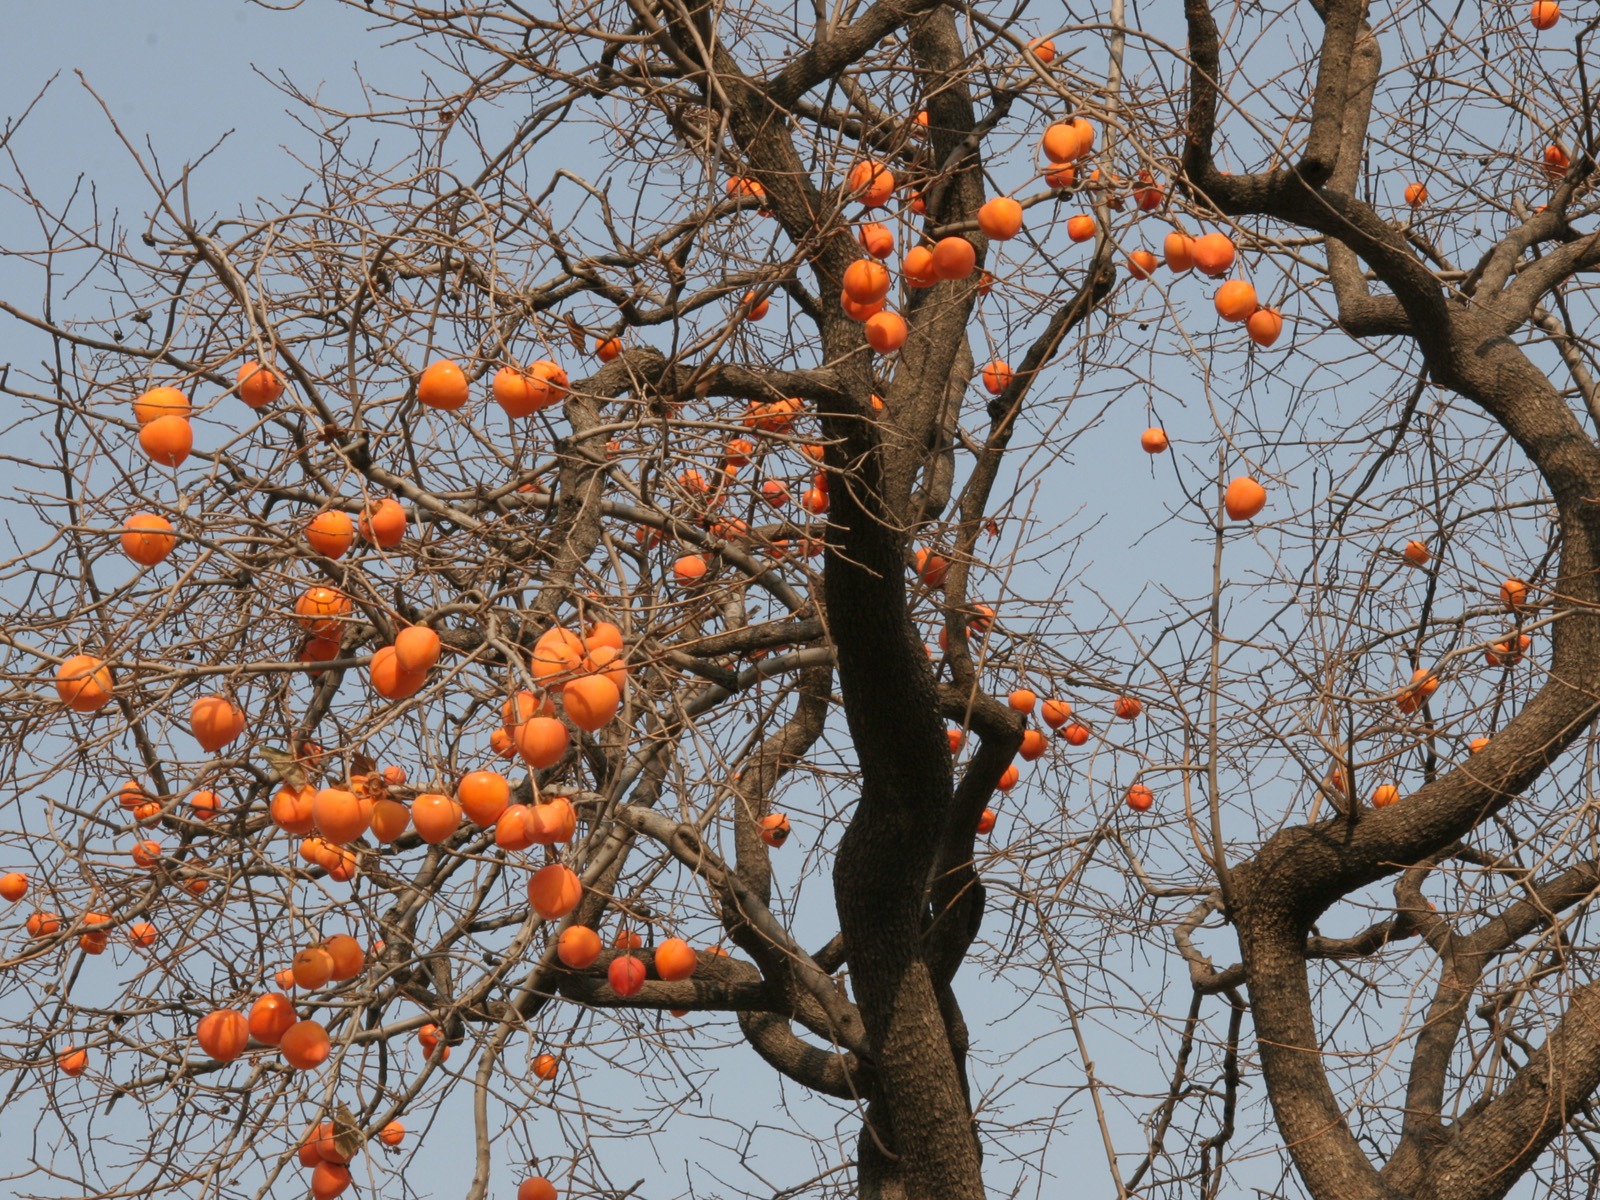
pixel 1236 300
pixel 383 524
pixel 511 830
pixel 167 440
pixel 876 239
pixel 321 1144
pixel 1066 141
pixel 339 815
pixel 542 741
pixel 73 1061
pixel 160 402
pixel 578 946
pixel 675 959
pixel 997 377
pixel 96 935
pixel 1544 14
pixel 916 267
pixel 554 820
pixel 626 975
pixel 215 721
pixel 84 683
pixel 331 532
pixel 1055 713
pixel 590 701
pixel 320 611
pixel 13 886
pixel 436 817
pixel 554 891
pixel 537 1188
pixel 604 633
pixel 1384 795
pixel 147 538
pixel 516 392
pixel 1081 227
pixel 861 312
pixel 312 967
pixel 1264 325
pixel 1022 700
pixel 271 1016
pixel 866 281
pixel 205 805
pixel 886 331
pixel 390 819
pixel 1000 218
pixel 328 1180
pixel 1422 686
pixel 223 1033
pixel 775 829
pixel 954 258
pixel 689 569
pixel 1212 253
pixel 1509 651
pixel 1178 250
pixel 416 648
pixel 443 385
pixel 1140 798
pixel 43 924
pixel 259 386
pixel 347 955
pixel 291 809
pixel 1142 264
pixel 305 1045
pixel 1244 498
pixel 319 650
pixel 558 652
pixel 389 679
pixel 483 796
pixel 871 183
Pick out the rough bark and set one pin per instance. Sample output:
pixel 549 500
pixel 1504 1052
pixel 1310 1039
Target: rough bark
pixel 1301 871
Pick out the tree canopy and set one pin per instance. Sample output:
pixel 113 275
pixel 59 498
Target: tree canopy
pixel 1028 577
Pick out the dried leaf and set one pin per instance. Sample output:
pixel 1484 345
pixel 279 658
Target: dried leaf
pixel 346 1132
pixel 580 340
pixel 288 767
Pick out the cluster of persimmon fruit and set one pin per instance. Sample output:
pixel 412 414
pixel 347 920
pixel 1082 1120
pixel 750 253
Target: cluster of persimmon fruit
pixel 583 674
pixel 1505 652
